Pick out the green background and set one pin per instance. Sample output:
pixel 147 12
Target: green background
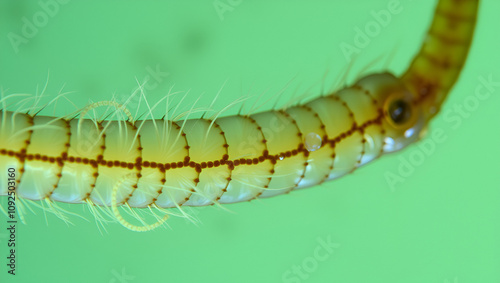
pixel 442 224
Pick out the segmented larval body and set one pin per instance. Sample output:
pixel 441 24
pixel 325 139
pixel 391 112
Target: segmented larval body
pixel 199 162
pixel 196 162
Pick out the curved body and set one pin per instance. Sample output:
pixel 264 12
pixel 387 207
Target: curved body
pixel 199 162
pixel 196 162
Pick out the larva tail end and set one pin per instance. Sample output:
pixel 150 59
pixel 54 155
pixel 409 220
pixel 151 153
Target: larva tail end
pixel 437 66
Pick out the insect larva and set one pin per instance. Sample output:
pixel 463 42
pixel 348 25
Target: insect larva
pixel 197 162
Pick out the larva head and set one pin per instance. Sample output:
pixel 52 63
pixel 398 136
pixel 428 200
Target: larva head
pixel 402 119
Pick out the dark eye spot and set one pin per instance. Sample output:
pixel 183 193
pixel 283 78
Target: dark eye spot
pixel 400 111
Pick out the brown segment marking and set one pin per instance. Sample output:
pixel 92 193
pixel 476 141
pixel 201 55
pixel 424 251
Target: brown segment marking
pixel 21 155
pixel 180 164
pixel 162 170
pixel 324 139
pixel 59 159
pixel 290 153
pixel 137 165
pixel 224 161
pixel 354 128
pixel 363 140
pixel 216 163
pixel 264 141
pixel 453 17
pixel 163 180
pixel 380 112
pixel 95 163
pixel 442 63
pixel 447 40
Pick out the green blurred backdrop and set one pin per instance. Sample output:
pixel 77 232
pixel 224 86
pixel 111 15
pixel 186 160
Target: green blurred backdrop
pixel 441 224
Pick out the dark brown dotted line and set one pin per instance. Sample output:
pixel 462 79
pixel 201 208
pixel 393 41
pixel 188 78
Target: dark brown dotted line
pixel 264 141
pixel 324 141
pixel 184 163
pixel 61 164
pixel 380 112
pixel 163 171
pixel 363 140
pixel 300 135
pixel 322 126
pixel 93 163
pixel 324 138
pixel 224 161
pixel 173 165
pixel 24 150
pixel 138 162
pixel 211 164
pixel 343 136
